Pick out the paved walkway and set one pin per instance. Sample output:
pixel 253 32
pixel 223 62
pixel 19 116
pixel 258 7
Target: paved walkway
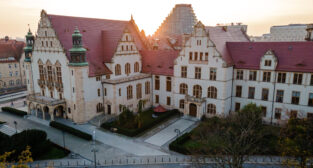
pixel 13 96
pixel 117 141
pixel 169 133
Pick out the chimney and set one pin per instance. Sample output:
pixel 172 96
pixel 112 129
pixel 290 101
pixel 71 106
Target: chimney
pixel 6 38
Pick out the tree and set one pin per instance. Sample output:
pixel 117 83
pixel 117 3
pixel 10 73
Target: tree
pixel 24 158
pixel 141 104
pixel 297 141
pixel 232 139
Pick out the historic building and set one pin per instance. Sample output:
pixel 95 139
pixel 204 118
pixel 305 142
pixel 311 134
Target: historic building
pixel 80 68
pixel 12 73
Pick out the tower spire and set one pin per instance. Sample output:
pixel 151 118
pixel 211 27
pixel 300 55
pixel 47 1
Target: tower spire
pixel 29 45
pixel 77 52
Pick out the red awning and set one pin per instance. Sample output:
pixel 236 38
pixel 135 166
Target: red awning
pixel 159 109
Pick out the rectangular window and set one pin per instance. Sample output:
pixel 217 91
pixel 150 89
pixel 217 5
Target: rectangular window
pixel 196 56
pixel 238 91
pixel 98 78
pixel 237 106
pixel 265 94
pixel 263 108
pixel 147 87
pixel 251 92
pixel 119 92
pixel 310 103
pixel 201 56
pixel 197 72
pixel 59 74
pixel 281 78
pixel 190 55
pixel 105 91
pixel 252 75
pixel 168 84
pixel 293 114
pixel 156 98
pixel 184 72
pixel 168 101
pixel 278 113
pixel 206 56
pixel 297 78
pixel 98 92
pixel 268 63
pixel 266 76
pixel 239 75
pixel 157 83
pixel 138 91
pixel 295 97
pixel 212 73
pixel 311 82
pixel 280 96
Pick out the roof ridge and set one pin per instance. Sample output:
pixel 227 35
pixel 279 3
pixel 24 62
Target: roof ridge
pixel 80 17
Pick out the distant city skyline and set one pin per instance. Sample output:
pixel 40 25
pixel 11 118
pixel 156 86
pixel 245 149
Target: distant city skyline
pixel 258 15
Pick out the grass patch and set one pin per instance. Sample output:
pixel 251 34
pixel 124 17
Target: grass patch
pixel 56 152
pixel 130 124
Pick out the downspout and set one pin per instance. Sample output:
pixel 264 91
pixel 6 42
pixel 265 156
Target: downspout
pixel 273 97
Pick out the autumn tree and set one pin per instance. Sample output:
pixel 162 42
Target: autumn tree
pixel 24 158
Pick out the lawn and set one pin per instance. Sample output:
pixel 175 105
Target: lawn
pixel 131 124
pixel 55 152
pixel 194 143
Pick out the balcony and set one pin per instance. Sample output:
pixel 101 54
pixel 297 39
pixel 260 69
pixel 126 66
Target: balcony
pixel 44 100
pixel 194 99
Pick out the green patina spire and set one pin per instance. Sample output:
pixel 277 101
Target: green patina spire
pixel 29 46
pixel 77 52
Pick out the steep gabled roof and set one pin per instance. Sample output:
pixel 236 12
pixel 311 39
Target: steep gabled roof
pixel 100 38
pixel 11 48
pixel 292 56
pixel 221 35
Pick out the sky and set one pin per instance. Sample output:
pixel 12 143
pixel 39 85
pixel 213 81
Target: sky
pixel 259 15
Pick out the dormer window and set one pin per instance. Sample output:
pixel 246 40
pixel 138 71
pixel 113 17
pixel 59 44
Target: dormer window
pixel 268 63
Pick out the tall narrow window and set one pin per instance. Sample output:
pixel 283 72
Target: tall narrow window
pixel 239 75
pixel 182 103
pixel 211 109
pixel 238 91
pixel 310 103
pixel 183 88
pixel 201 56
pixel 197 72
pixel 196 56
pixel 295 97
pixel 297 78
pixel 157 99
pixel 206 56
pixel 127 68
pixel 190 55
pixel 138 91
pixel 59 74
pixel 311 82
pixel 266 76
pixel 157 83
pixel 197 91
pixel 278 113
pixel 184 72
pixel 212 92
pixel 50 78
pixel 212 73
pixel 129 92
pixel 136 67
pixel 265 94
pixel 41 73
pixel 168 84
pixel 168 101
pixel 252 75
pixel 117 69
pixel 280 96
pixel 147 87
pixel 98 91
pixel 237 106
pixel 251 92
pixel 281 77
pixel 264 109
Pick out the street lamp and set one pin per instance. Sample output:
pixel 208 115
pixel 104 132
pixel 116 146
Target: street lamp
pixel 15 123
pixel 94 150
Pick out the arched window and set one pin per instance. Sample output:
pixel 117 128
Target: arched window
pixel 212 109
pixel 138 91
pixel 183 88
pixel 182 103
pixel 99 107
pixel 127 68
pixel 129 92
pixel 197 91
pixel 136 67
pixel 212 92
pixel 117 69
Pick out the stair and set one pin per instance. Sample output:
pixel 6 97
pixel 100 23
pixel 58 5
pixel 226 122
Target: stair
pixel 7 130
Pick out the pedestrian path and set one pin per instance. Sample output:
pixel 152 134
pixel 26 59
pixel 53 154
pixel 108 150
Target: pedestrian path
pixel 114 140
pixel 38 120
pixel 8 130
pixel 170 132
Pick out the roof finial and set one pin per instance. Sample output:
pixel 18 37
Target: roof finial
pixel 131 17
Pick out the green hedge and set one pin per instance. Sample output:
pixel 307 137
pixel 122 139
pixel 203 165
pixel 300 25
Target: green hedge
pixel 70 130
pixel 14 111
pixel 177 145
pixel 135 132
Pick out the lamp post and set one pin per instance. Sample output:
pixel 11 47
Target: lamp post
pixel 94 150
pixel 15 124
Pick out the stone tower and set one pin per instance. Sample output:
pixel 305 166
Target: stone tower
pixel 180 21
pixel 28 50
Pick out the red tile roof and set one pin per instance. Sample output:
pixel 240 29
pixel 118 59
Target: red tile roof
pixel 159 62
pixel 11 48
pixel 292 56
pixel 100 38
pixel 220 36
pixel 159 109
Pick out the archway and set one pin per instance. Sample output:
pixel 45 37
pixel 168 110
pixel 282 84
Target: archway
pixel 32 108
pixel 46 113
pixel 39 111
pixel 193 110
pixel 59 112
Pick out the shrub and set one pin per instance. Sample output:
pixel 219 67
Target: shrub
pixel 70 130
pixel 178 146
pixel 14 111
